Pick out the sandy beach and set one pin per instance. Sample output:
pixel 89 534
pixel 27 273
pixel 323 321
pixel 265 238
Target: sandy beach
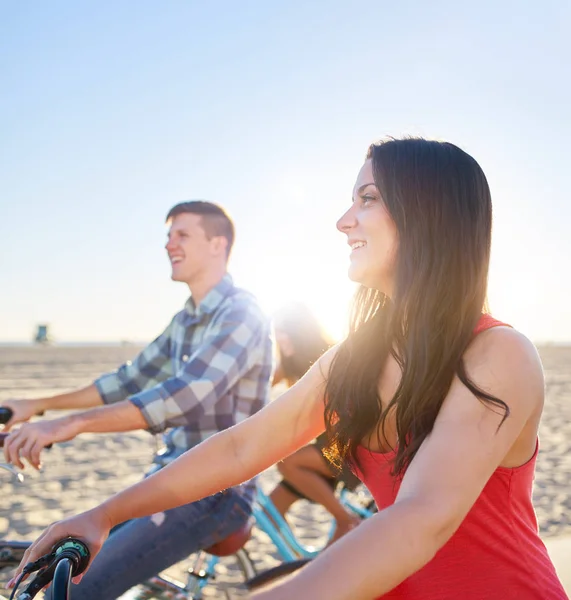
pixel 79 474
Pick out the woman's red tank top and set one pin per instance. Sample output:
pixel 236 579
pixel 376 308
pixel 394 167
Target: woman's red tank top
pixel 496 553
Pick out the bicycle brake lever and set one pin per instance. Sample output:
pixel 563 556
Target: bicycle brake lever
pixel 42 578
pixel 42 562
pixel 19 476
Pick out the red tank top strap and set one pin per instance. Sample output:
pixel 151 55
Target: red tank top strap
pixel 487 322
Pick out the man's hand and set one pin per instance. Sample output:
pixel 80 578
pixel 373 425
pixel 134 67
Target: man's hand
pixel 23 410
pixel 31 438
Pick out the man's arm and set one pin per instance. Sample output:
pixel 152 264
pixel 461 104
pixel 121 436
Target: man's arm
pixel 30 439
pixel 150 366
pixel 131 378
pixel 227 353
pixel 24 410
pixel 222 359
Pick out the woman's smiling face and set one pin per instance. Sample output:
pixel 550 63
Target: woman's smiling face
pixel 371 233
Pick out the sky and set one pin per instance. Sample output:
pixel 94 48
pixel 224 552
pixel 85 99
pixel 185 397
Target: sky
pixel 112 112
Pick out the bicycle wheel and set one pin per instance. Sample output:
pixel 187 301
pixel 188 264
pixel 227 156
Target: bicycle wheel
pixel 276 573
pixel 230 573
pixel 197 578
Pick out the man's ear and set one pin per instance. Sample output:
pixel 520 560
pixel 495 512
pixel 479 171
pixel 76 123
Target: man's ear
pixel 219 244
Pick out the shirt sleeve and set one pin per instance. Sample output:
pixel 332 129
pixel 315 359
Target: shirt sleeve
pixel 151 365
pixel 226 354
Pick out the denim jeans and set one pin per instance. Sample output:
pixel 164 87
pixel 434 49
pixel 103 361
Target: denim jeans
pixel 144 547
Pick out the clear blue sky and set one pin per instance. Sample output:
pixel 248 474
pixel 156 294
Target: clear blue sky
pixel 111 112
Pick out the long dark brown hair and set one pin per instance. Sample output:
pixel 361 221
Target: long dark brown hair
pixel 439 200
pixel 308 339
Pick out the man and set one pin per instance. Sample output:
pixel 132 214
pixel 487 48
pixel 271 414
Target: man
pixel 208 370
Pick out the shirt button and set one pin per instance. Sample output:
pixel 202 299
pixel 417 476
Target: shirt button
pixel 185 357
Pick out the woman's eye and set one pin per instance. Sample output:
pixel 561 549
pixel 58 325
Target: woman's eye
pixel 368 199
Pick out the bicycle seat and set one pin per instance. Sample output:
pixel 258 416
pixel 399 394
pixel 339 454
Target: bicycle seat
pixel 232 543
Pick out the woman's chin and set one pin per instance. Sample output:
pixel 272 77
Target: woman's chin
pixel 357 275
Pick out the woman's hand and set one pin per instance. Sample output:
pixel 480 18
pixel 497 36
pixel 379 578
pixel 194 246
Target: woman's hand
pixel 91 527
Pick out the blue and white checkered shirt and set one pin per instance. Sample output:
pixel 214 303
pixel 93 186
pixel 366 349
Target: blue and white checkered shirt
pixel 210 369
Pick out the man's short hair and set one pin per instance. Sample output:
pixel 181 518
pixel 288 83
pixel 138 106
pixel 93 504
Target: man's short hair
pixel 215 220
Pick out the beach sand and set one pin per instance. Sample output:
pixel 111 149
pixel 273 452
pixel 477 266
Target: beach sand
pixel 77 475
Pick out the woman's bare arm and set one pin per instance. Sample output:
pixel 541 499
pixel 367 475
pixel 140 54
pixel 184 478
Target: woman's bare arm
pixel 442 483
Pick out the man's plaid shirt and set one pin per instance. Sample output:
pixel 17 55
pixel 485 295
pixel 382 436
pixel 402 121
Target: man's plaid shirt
pixel 209 370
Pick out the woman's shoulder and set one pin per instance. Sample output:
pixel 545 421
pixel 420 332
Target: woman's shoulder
pixel 500 343
pixel 324 362
pixel 505 361
pixel 493 335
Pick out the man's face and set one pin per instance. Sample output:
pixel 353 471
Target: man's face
pixel 190 251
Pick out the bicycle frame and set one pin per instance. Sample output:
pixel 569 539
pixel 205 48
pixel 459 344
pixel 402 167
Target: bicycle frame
pixel 198 577
pixel 358 509
pixel 275 526
pixel 269 520
pixel 281 528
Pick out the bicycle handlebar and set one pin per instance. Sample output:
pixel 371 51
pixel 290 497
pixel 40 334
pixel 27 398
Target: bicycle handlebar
pixel 68 558
pixel 62 579
pixel 3 436
pixel 5 414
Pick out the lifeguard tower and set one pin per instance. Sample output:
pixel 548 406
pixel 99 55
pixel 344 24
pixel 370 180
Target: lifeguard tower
pixel 42 335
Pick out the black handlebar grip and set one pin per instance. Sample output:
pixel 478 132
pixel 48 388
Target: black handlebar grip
pixel 76 551
pixel 5 414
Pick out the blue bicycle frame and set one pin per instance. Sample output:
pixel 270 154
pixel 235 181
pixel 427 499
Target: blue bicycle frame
pixel 269 520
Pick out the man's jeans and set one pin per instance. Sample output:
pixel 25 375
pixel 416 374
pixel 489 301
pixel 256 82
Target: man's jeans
pixel 144 547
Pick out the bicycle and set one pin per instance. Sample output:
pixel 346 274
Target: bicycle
pixel 266 518
pixel 68 558
pixel 227 563
pixel 269 520
pixel 293 552
pixel 228 560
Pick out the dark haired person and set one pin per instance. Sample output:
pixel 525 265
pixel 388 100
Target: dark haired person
pixel 436 403
pixel 209 370
pixel 307 474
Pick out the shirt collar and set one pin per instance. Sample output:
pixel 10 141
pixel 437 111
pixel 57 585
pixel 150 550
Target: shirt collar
pixel 212 300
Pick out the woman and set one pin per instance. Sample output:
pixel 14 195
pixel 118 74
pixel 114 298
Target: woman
pixel 437 404
pixel 306 473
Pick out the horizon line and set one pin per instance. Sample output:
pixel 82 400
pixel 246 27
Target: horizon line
pixel 53 343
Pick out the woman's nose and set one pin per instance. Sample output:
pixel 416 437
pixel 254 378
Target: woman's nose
pixel 347 221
